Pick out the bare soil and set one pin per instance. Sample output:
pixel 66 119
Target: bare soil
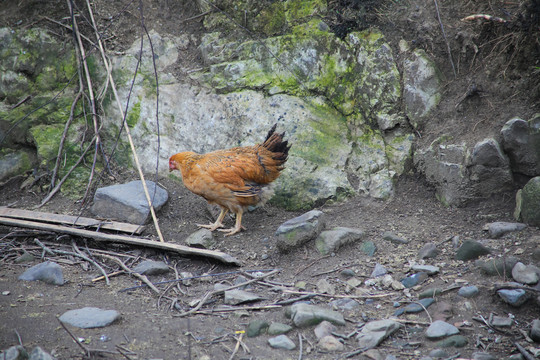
pixel 150 327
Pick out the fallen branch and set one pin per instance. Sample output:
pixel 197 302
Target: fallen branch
pixel 131 240
pixel 238 308
pixel 70 220
pixel 524 352
pixel 141 277
pixel 336 296
pixel 445 39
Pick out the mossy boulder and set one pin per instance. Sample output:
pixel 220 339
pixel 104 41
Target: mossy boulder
pixel 37 73
pixel 529 201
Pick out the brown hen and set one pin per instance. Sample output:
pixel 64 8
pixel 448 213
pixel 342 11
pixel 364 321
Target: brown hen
pixel 235 178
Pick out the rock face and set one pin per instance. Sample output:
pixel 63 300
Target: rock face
pixel 337 149
pixel 36 67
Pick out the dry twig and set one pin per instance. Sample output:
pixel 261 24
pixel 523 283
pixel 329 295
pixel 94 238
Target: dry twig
pixel 208 295
pixel 445 39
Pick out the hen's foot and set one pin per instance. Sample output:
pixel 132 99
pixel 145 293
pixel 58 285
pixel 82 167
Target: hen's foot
pixel 232 231
pixel 211 227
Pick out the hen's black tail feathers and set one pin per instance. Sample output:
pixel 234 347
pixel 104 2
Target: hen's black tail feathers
pixel 275 143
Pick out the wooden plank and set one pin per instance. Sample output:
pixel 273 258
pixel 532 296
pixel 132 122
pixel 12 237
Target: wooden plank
pixel 71 220
pixel 124 239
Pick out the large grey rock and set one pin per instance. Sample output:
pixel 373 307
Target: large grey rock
pixel 374 332
pixel 89 317
pixel 460 174
pixel 48 272
pixel 331 240
pixel 521 141
pixel 489 169
pixel 528 202
pixel 299 230
pixel 127 202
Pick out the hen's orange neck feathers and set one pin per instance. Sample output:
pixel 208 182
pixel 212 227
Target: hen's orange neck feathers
pixel 176 161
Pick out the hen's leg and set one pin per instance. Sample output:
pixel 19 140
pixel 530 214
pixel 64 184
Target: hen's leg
pixel 218 223
pixel 237 228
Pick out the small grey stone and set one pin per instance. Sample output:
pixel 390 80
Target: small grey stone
pixel 299 230
pixel 344 304
pixel 39 354
pixel 500 228
pixel 257 327
pixel 514 297
pixel 483 356
pixel 324 287
pixel 439 329
pixel 429 269
pixel 414 279
pixel 428 251
pixel 282 342
pixel 325 328
pixel 330 343
pixel 236 297
pixel 304 315
pixel 525 274
pixel 201 238
pixel 276 328
pixel 48 272
pixel 331 240
pixel 430 293
pixel 498 266
pixel 393 238
pixel 535 330
pixel 89 317
pixel 470 250
pixel 26 257
pixel 347 273
pixel 468 291
pixel 438 354
pixel 14 353
pixel 369 248
pixel 151 267
pixel 453 341
pixel 374 332
pixel 421 305
pixel 500 321
pixel 378 270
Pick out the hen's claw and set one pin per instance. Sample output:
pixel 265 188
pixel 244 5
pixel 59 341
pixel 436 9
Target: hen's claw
pixel 211 227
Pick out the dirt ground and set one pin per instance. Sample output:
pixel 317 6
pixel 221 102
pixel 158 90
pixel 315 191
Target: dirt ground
pixel 150 327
